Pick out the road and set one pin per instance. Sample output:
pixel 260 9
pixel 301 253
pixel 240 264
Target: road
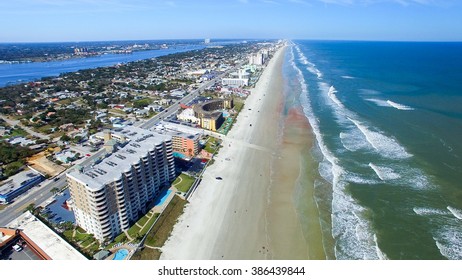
pixel 28 130
pixel 39 195
pixel 188 98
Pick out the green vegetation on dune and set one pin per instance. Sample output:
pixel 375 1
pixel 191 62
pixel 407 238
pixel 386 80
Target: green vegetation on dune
pixel 146 254
pixel 164 226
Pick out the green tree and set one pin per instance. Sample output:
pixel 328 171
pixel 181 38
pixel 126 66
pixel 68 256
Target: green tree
pixel 54 190
pixel 30 207
pixel 65 138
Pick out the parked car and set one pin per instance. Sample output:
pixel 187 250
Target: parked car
pixel 17 248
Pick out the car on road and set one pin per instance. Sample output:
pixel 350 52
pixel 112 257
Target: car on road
pixel 218 178
pixel 88 155
pixel 17 248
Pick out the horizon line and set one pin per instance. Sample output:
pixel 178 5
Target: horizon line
pixel 237 39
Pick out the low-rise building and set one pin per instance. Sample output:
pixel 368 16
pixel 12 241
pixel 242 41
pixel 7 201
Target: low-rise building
pixel 44 243
pixel 18 184
pixel 187 115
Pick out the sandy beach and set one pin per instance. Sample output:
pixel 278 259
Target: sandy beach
pixel 252 213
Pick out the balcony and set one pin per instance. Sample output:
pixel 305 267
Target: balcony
pixel 102 216
pixel 99 200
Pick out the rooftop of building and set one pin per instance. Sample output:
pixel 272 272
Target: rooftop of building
pixel 138 143
pixel 45 238
pixel 15 182
pixel 210 109
pixel 169 126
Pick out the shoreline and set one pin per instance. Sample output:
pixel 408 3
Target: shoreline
pixel 244 215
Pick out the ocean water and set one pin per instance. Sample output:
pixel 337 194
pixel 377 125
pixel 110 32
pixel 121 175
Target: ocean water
pixel 387 117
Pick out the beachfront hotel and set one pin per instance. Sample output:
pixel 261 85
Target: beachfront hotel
pixel 209 113
pixel 112 194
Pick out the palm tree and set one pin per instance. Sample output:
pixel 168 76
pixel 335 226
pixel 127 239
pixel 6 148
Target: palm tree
pixel 54 190
pixel 30 207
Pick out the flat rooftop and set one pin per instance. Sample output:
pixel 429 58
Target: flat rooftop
pixel 45 238
pixel 163 125
pixel 177 133
pixel 139 142
pixel 15 182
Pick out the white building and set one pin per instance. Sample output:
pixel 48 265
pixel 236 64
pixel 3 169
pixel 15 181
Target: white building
pixel 108 197
pixel 188 116
pixel 239 79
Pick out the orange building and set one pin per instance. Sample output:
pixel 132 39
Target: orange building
pixel 185 144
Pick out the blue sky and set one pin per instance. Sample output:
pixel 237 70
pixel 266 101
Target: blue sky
pixel 90 20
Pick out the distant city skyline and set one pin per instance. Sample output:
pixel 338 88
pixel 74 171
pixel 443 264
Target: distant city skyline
pixel 100 20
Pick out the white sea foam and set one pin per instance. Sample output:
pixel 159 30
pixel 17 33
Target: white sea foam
pixel 449 242
pixel 425 211
pixel 456 212
pixel 399 106
pixel 311 66
pixel 379 102
pixel 415 178
pixel 384 173
pixel 353 141
pixel 303 58
pixel 331 93
pixel 359 179
pixel 381 254
pixel 353 232
pixel 345 224
pixel 347 77
pixel 446 230
pixel 384 145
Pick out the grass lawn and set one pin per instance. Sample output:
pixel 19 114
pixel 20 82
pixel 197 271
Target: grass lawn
pixel 143 220
pixel 117 112
pixel 44 128
pixel 133 230
pixel 16 132
pixel 211 144
pixel 87 242
pixel 149 224
pixel 81 236
pixel 68 234
pixel 93 249
pixel 185 184
pixel 146 254
pixel 119 239
pixel 164 226
pixel 82 240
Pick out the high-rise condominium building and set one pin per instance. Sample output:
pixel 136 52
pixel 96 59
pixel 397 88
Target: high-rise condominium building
pixel 112 194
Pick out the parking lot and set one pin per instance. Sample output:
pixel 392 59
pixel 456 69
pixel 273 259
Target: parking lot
pixel 25 253
pixel 56 212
